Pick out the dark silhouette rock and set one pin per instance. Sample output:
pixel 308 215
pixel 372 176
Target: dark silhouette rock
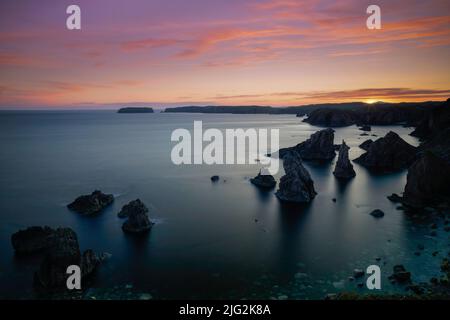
pixel 331 118
pixel 264 181
pixel 344 168
pixel 32 240
pixel 377 213
pixel 436 120
pixel 390 153
pixel 133 206
pixel 138 221
pixel 427 181
pixel 91 204
pixel 395 198
pixel 296 185
pixel 215 178
pixel 366 144
pixel 320 146
pixel 63 252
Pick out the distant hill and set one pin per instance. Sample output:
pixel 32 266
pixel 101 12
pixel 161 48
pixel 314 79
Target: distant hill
pixel 135 110
pixel 298 110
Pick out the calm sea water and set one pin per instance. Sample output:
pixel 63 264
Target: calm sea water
pixel 206 243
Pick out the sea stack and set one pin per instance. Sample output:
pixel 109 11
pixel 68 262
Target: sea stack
pixel 138 221
pixel 388 154
pixel 320 146
pixel 344 168
pixel 264 180
pixel 296 185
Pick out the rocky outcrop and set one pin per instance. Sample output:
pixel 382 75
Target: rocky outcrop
pixel 215 178
pixel 427 181
pixel 138 221
pixel 32 240
pixel 296 185
pixel 331 118
pixel 320 146
pixel 264 181
pixel 91 204
pixel 133 206
pixel 387 154
pixel 366 144
pixel 344 168
pixel 63 252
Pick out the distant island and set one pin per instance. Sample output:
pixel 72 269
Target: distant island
pixel 135 110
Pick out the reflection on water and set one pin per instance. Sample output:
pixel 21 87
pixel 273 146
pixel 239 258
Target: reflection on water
pixel 228 239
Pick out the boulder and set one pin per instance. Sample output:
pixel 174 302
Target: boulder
pixel 427 181
pixel 387 154
pixel 215 178
pixel 296 185
pixel 264 181
pixel 138 221
pixel 366 144
pixel 91 204
pixel 32 240
pixel 344 168
pixel 320 146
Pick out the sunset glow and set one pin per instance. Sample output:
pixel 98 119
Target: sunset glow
pixel 270 52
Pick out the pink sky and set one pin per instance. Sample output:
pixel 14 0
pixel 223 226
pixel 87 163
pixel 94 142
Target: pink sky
pixel 228 52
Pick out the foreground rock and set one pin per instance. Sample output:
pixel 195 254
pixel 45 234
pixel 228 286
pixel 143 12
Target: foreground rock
pixel 32 240
pixel 296 185
pixel 387 154
pixel 320 146
pixel 91 204
pixel 344 168
pixel 264 181
pixel 138 221
pixel 62 252
pixel 427 181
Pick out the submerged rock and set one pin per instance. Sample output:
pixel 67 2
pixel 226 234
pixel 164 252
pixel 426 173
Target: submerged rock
pixel 32 240
pixel 377 213
pixel 390 153
pixel 427 181
pixel 344 168
pixel 91 204
pixel 296 185
pixel 138 221
pixel 320 146
pixel 365 128
pixel 400 274
pixel 366 144
pixel 265 181
pixel 395 198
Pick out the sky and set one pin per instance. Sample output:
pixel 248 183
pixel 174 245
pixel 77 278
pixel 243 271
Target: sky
pixel 228 52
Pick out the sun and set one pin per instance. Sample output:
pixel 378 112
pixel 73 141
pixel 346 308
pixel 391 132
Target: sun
pixel 371 101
